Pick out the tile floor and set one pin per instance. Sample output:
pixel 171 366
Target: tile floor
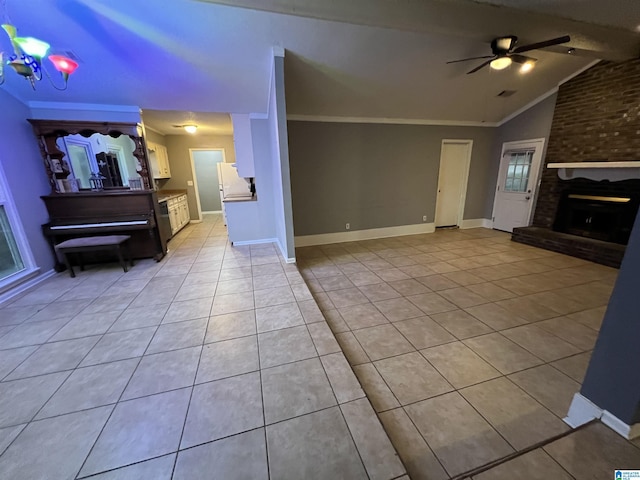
pixel 219 360
pixel 214 363
pixel 469 346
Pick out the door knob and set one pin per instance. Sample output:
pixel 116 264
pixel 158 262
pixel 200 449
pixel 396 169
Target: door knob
pixel 528 197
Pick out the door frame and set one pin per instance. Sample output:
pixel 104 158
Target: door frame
pixel 534 191
pixel 193 173
pixel 465 179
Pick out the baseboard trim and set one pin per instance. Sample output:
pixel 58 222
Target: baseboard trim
pixel 476 223
pixel 370 234
pixel 283 252
pixel 629 432
pixel 582 411
pixel 25 285
pixel 255 242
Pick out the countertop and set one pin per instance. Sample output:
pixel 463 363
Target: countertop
pixel 164 195
pixel 240 199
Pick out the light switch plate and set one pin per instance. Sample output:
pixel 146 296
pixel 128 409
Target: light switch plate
pixel 189 183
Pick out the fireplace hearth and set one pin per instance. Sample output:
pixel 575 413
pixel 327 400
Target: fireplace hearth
pixel 593 220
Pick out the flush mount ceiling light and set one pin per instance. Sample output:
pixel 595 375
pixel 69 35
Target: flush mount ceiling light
pixel 190 128
pixel 500 63
pixel 26 59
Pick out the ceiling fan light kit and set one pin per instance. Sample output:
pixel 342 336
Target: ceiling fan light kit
pixel 505 53
pixel 500 63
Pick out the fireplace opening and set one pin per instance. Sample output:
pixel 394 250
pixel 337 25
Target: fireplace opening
pixel 603 215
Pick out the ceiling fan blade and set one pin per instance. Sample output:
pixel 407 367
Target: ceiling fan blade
pixel 480 66
pixel 472 58
pixel 521 58
pixel 546 43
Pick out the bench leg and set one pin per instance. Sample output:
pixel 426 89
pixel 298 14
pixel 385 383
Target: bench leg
pixel 120 258
pixel 68 264
pixel 81 261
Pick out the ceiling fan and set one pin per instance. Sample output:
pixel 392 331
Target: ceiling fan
pixel 505 52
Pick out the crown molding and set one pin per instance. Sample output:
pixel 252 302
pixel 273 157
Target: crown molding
pixel 149 127
pixel 389 121
pixel 84 106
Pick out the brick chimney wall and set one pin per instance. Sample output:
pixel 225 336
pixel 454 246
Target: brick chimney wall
pixel 596 118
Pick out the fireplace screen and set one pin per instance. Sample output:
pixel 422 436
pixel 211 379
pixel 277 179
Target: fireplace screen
pixel 518 171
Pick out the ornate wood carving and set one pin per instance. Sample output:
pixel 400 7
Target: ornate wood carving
pixel 48 132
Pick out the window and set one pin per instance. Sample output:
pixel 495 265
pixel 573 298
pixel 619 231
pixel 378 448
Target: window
pixel 16 261
pixel 518 171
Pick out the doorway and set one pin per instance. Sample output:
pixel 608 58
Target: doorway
pixel 455 158
pixel 204 166
pixel 517 181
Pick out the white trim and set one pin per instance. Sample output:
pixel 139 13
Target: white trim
pixel 85 106
pixel 212 212
pixel 21 287
pixel 283 252
pixel 581 411
pixel 544 96
pixel 149 127
pixel 193 174
pixel 529 105
pixel 277 51
pixel 629 432
pixel 588 165
pixel 258 116
pixel 260 241
pixel 465 179
pixel 390 121
pixel 476 223
pixel 370 234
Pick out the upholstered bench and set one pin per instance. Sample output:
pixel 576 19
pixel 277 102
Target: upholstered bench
pixel 89 244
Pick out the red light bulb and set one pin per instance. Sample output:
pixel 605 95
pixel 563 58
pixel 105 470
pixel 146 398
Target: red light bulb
pixel 63 64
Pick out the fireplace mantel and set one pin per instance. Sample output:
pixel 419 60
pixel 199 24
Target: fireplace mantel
pixel 598 171
pixel 595 165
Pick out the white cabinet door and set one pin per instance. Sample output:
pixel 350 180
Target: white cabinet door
pixel 159 160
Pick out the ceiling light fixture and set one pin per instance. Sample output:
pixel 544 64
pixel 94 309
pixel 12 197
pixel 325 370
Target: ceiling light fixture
pixel 190 128
pixel 500 63
pixel 527 66
pixel 26 59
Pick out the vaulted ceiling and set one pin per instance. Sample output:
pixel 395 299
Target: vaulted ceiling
pixel 356 58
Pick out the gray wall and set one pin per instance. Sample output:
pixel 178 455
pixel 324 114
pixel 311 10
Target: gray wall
pixel 24 169
pixel 205 163
pixel 530 124
pixel 377 175
pixel 155 137
pixel 180 162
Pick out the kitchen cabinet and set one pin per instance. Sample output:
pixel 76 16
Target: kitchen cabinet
pixel 178 213
pixel 159 160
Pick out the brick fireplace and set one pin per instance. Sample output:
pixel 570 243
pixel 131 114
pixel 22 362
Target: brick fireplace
pixel 596 119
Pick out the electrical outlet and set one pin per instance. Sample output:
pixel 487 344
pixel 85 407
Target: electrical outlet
pixel 424 218
pixel 348 226
pixel 189 183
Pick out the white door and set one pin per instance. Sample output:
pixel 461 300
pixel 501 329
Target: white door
pixel 517 181
pixel 452 182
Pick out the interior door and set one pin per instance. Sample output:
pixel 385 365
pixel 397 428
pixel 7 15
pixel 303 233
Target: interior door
pixel 452 182
pixel 517 181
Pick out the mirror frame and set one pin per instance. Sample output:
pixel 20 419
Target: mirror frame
pixel 48 132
